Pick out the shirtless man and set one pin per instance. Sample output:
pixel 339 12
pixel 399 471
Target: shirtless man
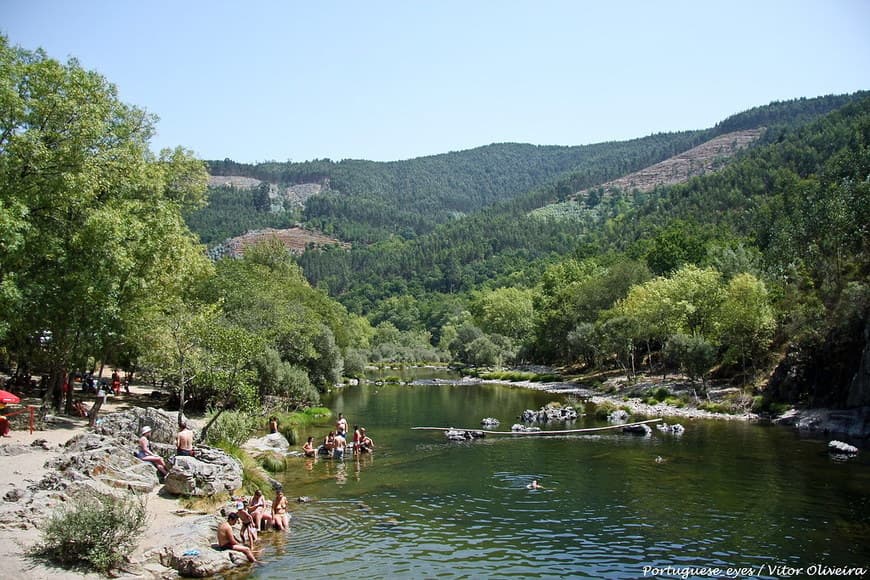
pixel 340 446
pixel 184 441
pixel 227 541
pixel 341 425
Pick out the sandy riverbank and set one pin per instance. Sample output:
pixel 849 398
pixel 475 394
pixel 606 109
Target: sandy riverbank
pixel 28 467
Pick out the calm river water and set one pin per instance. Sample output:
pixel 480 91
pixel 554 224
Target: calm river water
pixel 724 495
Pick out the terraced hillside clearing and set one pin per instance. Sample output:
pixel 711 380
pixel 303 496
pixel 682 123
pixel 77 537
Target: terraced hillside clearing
pixel 699 160
pixel 587 204
pixel 296 240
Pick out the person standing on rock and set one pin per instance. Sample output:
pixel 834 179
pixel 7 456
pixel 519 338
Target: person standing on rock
pixel 145 454
pixel 227 540
pixel 184 441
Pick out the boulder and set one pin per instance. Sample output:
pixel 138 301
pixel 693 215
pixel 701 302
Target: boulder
pixel 618 416
pixel 128 424
pixel 639 429
pixel 211 471
pixel 191 549
pixel 108 460
pixel 272 442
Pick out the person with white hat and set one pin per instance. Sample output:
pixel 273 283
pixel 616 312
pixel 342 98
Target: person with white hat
pixel 145 454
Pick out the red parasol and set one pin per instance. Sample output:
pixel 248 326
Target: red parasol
pixel 8 398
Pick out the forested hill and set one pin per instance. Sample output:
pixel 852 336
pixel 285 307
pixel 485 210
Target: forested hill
pixel 367 201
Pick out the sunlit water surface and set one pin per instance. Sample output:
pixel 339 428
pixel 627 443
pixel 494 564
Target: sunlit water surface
pixel 724 494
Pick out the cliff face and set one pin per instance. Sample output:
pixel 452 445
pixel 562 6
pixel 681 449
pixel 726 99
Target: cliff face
pixel 833 372
pixel 859 390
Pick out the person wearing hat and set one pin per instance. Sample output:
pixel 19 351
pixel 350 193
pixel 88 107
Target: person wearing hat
pixel 145 454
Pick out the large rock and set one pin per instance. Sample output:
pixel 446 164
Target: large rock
pixel 273 442
pixel 211 471
pixel 129 423
pixel 108 460
pixel 190 548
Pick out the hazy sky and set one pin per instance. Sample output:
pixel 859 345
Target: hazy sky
pixel 258 80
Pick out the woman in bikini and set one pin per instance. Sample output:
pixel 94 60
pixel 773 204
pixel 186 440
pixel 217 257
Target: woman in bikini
pixel 257 509
pixel 279 511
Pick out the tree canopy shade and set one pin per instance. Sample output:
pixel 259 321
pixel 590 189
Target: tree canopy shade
pixel 92 238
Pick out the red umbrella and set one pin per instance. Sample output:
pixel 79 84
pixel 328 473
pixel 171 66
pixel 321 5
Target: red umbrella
pixel 8 398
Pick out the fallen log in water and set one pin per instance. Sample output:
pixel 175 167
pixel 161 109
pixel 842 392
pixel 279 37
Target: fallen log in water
pixel 562 432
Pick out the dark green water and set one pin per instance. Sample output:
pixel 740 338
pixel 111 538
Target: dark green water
pixel 726 494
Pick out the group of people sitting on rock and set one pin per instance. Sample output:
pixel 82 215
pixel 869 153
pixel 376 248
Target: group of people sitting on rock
pixel 335 443
pixel 254 518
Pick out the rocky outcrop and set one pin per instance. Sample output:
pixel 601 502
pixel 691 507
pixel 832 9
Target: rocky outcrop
pixel 549 414
pixel 108 460
pixel 859 388
pixel 128 424
pixel 850 422
pixel 211 471
pixel 273 442
pixel 191 550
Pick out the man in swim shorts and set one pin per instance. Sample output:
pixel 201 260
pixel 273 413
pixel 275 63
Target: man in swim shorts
pixel 227 541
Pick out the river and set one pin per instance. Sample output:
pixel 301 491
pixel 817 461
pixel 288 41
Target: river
pixel 725 494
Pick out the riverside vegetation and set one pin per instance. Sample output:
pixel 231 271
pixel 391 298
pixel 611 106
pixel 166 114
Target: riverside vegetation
pixel 754 275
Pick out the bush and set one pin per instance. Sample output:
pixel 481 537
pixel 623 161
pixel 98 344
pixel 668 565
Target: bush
pixel 603 409
pixel 99 532
pixel 233 427
pixel 273 463
pixel 661 394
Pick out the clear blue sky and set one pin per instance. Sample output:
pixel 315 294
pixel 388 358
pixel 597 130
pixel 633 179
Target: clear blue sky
pixel 295 80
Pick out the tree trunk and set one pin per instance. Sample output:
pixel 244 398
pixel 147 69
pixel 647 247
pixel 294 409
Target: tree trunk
pixel 95 410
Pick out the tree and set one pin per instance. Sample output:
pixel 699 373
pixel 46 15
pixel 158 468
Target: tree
pixel 506 311
pixel 92 231
pixel 693 354
pixel 746 320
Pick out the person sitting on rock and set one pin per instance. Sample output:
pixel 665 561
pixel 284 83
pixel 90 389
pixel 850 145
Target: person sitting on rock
pixel 145 454
pixel 329 444
pixel 257 509
pixel 184 441
pixel 227 541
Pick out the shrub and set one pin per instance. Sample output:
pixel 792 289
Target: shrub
pixel 661 394
pixel 273 463
pixel 233 427
pixel 602 410
pixel 98 532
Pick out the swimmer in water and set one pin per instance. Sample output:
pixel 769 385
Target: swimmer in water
pixel 535 485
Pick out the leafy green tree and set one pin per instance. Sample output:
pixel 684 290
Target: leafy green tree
pixel 506 311
pixel 694 354
pixel 92 232
pixel 746 321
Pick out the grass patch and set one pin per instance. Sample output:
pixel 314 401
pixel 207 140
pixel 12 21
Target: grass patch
pixel 254 477
pixel 273 462
pixel 517 376
pixel 723 408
